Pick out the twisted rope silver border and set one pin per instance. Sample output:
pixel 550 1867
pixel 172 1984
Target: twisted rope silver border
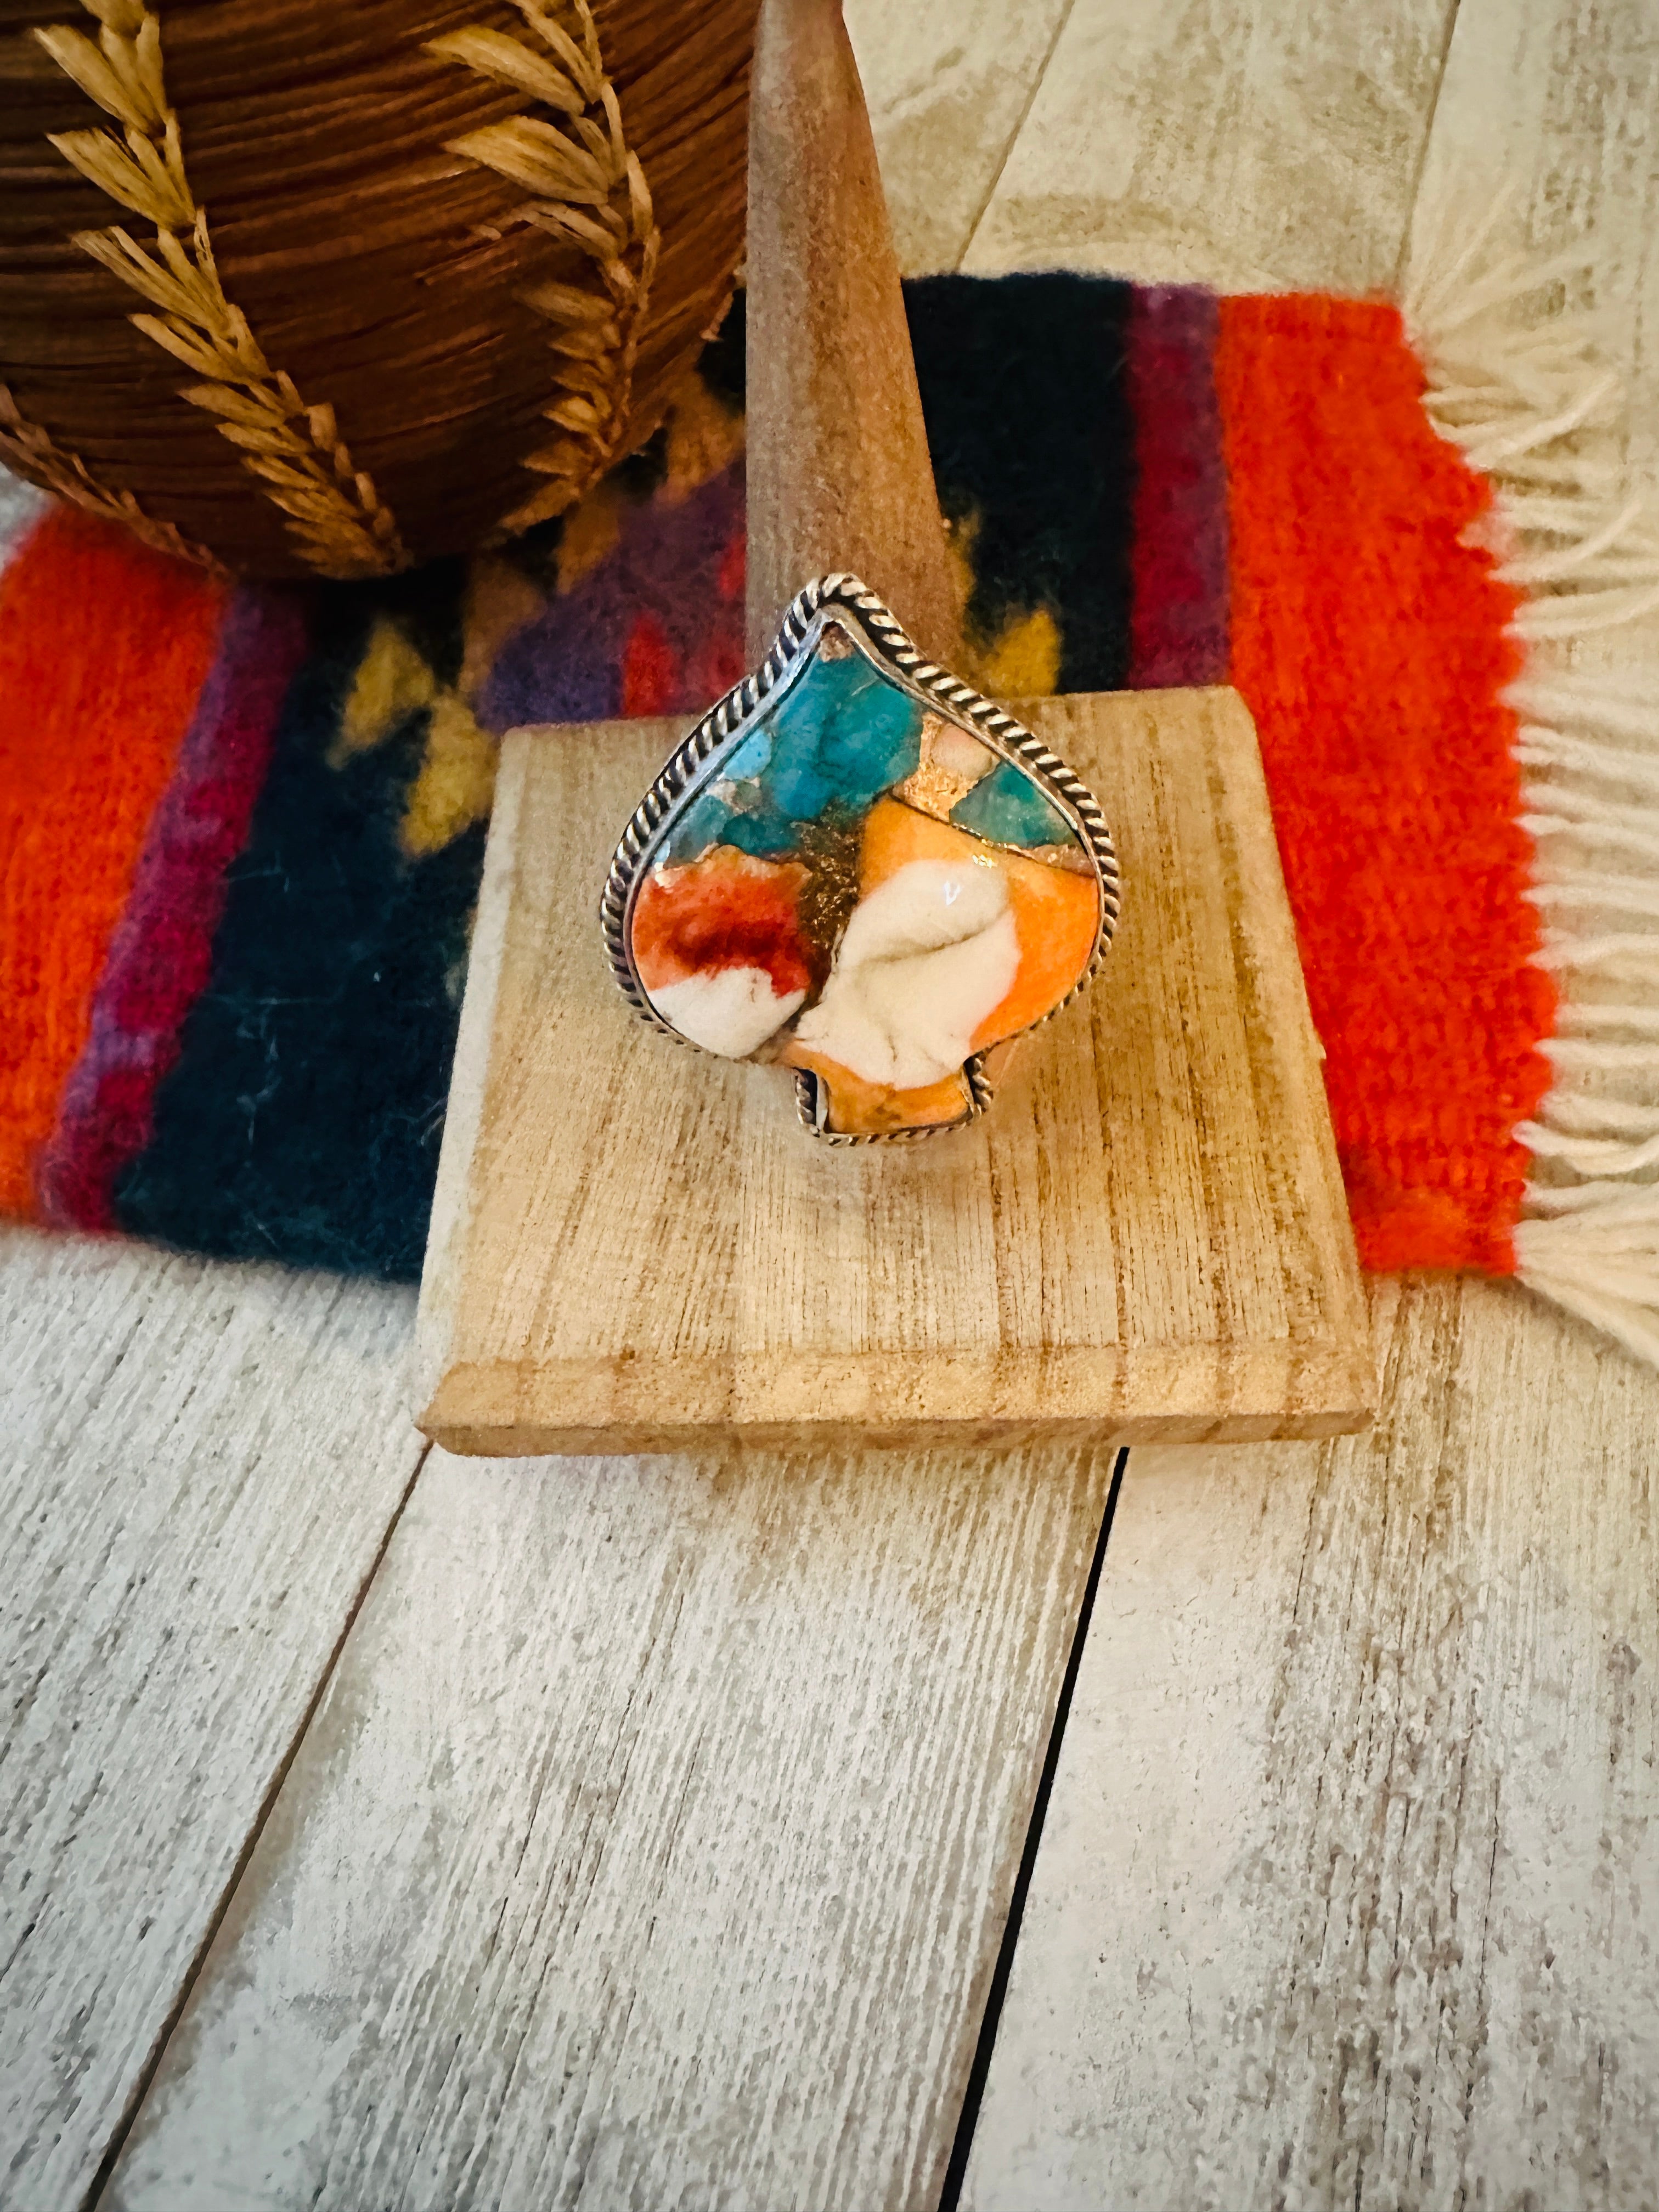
pixel 729 721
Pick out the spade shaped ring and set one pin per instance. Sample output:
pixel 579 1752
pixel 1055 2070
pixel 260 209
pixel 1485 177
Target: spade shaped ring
pixel 857 868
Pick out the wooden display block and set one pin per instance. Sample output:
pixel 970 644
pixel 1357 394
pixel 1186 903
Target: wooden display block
pixel 636 1247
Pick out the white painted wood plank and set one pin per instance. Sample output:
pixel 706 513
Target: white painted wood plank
pixel 650 1847
pixel 947 89
pixel 198 1466
pixel 1549 105
pixel 1344 1893
pixel 1341 1896
pixel 1246 143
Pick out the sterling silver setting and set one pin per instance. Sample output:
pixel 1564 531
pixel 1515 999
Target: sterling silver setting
pixel 696 763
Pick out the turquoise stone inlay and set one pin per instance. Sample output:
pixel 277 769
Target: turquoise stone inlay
pixel 841 736
pixel 1009 809
pixel 842 732
pixel 743 818
pixel 751 757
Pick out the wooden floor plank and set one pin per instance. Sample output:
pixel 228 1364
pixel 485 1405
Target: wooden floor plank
pixel 948 88
pixel 1248 143
pixel 198 1467
pixel 1549 105
pixel 650 1847
pixel 1343 1894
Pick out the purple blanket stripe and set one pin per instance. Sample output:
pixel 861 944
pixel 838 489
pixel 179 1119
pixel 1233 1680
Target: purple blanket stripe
pixel 1179 623
pixel 163 949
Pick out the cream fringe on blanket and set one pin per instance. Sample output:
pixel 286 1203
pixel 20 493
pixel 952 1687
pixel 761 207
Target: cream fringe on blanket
pixel 1517 384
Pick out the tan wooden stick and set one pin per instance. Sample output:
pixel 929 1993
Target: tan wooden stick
pixel 839 473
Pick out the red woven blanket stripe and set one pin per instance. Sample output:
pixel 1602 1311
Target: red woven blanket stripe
pixel 104 648
pixel 161 951
pixel 1370 643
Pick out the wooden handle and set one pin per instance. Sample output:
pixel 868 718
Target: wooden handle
pixel 839 473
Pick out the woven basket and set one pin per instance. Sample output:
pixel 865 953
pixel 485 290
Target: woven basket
pixel 329 287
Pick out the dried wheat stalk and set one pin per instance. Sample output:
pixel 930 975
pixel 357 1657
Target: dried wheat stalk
pixel 27 450
pixel 335 515
pixel 589 189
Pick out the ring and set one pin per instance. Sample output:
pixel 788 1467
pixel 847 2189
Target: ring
pixel 857 868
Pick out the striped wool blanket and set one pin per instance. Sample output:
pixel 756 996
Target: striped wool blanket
pixel 241 828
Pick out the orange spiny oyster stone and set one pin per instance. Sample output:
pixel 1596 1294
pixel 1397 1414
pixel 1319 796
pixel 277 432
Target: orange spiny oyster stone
pixel 719 948
pixel 868 890
pixel 1056 911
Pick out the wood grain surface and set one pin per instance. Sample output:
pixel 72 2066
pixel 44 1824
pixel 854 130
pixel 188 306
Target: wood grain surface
pixel 1344 1895
pixel 198 1466
pixel 1148 1236
pixel 1254 144
pixel 650 1847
